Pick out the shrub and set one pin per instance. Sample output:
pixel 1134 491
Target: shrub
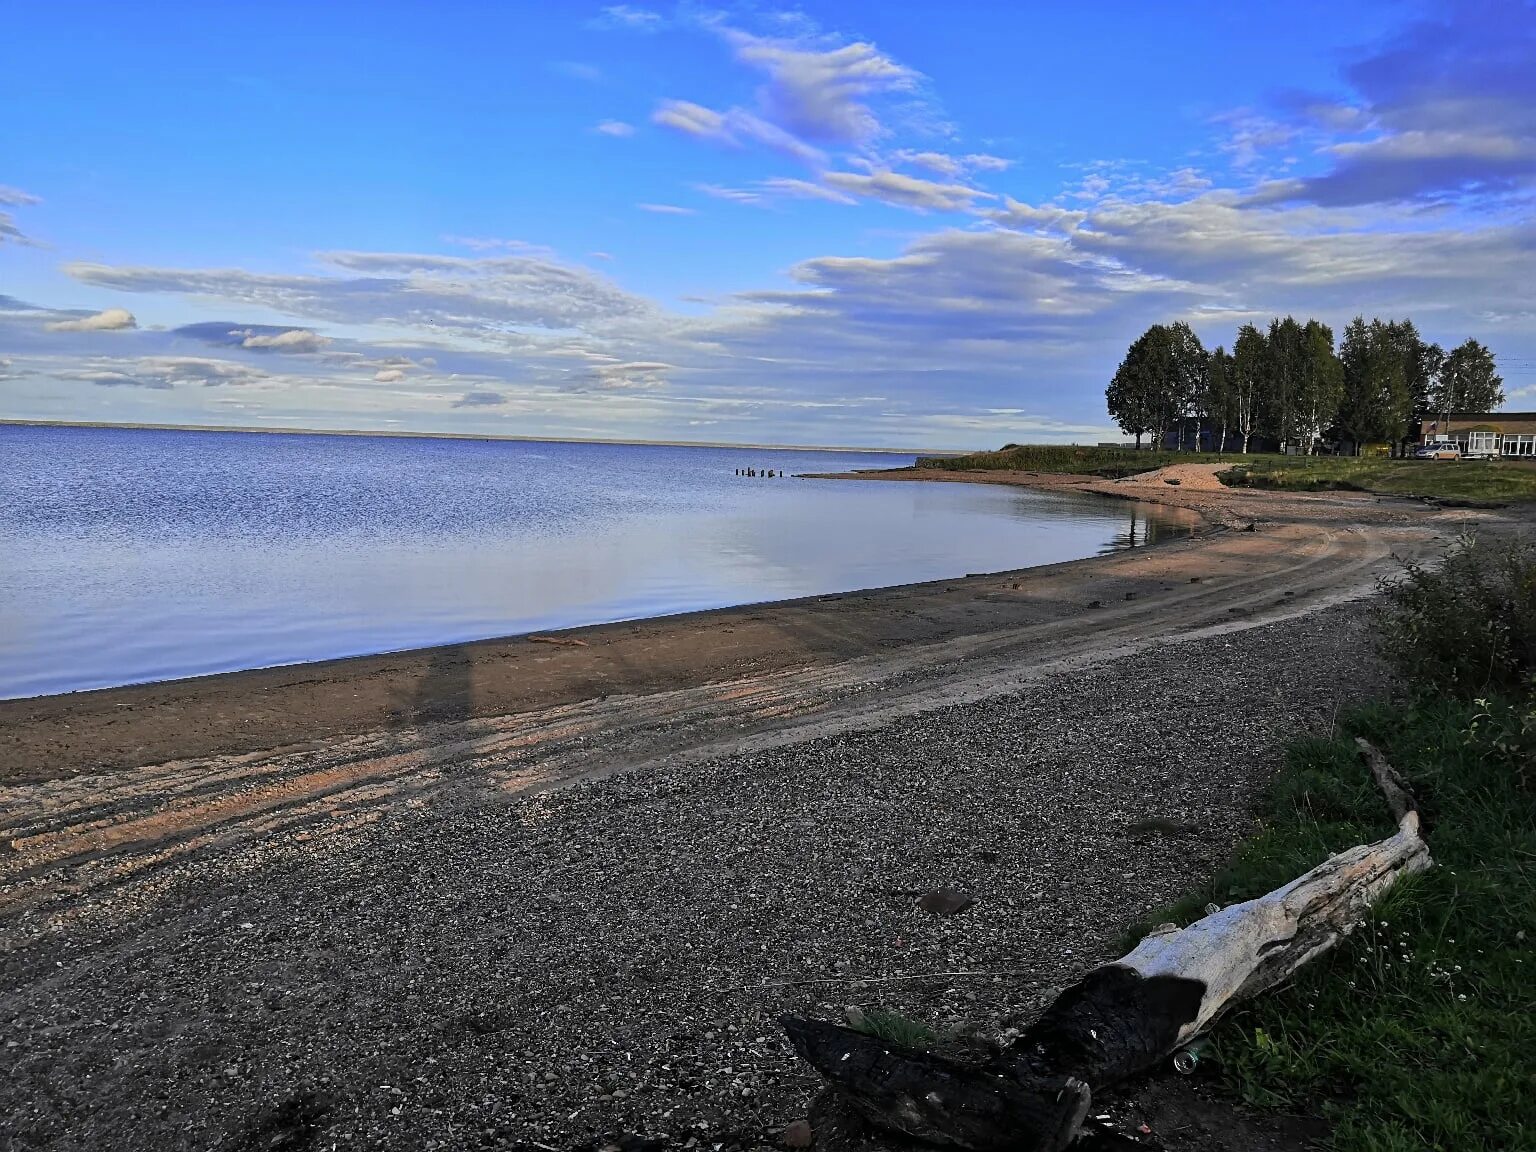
pixel 1468 627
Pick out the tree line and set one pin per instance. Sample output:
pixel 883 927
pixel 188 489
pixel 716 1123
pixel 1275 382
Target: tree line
pixel 1289 385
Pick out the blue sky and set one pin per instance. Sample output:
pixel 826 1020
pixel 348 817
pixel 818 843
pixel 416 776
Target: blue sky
pixel 856 223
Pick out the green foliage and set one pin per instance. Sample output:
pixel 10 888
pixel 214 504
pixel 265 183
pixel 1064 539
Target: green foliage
pixel 1158 381
pixel 1289 386
pixel 1466 628
pixel 1468 381
pixel 1250 371
pixel 1419 1031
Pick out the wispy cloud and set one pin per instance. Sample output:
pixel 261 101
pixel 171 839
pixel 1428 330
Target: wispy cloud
pixel 110 320
pixel 803 190
pixel 14 198
pixel 615 128
pixel 908 191
pixel 629 16
pixel 735 128
pixel 823 95
pixel 441 293
pixel 162 372
pixel 667 209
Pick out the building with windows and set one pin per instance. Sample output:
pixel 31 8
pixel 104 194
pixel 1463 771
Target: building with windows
pixel 1484 433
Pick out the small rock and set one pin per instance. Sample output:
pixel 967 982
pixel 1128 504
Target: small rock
pixel 945 902
pixel 1095 603
pixel 855 1017
pixel 1130 595
pixel 797 1135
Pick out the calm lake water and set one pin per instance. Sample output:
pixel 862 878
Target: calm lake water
pixel 129 555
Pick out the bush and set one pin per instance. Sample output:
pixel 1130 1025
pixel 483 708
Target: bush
pixel 1468 627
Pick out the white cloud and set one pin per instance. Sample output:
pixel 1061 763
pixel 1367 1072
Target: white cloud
pixel 981 162
pixel 803 190
pixel 667 209
pixel 615 128
pixel 735 195
pixel 389 376
pixel 14 198
pixel 733 128
pixel 817 95
pixel 109 320
pixel 291 340
pixel 441 294
pixel 933 161
pixel 161 372
pixel 908 191
pixel 692 120
pixel 823 95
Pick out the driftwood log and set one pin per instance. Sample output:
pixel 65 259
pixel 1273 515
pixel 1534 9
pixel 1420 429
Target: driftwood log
pixel 1122 1018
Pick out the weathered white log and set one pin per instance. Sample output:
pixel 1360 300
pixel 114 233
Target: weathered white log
pixel 1241 950
pixel 1123 1017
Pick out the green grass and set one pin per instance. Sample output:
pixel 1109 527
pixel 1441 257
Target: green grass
pixel 1113 462
pixel 1419 1031
pixel 898 1029
pixel 1477 480
pixel 1495 481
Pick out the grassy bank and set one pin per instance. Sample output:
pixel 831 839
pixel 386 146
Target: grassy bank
pixel 1495 481
pixel 1491 480
pixel 1419 1031
pixel 1068 458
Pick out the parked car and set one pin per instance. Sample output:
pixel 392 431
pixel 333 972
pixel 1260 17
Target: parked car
pixel 1439 451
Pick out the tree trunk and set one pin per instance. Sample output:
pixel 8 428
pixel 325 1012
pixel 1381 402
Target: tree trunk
pixel 1122 1018
pixel 1138 441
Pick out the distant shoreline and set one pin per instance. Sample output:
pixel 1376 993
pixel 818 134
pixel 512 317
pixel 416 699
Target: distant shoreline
pixel 401 435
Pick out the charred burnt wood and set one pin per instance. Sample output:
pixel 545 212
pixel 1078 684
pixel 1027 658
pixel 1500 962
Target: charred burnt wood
pixel 985 1108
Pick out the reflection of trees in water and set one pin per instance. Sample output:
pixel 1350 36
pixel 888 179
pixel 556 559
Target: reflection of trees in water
pixel 1144 528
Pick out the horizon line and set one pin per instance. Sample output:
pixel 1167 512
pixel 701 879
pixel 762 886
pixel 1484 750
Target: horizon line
pixel 411 435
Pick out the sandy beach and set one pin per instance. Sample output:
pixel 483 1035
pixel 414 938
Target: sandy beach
pixel 533 893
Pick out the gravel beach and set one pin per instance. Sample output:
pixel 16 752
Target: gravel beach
pixel 559 967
